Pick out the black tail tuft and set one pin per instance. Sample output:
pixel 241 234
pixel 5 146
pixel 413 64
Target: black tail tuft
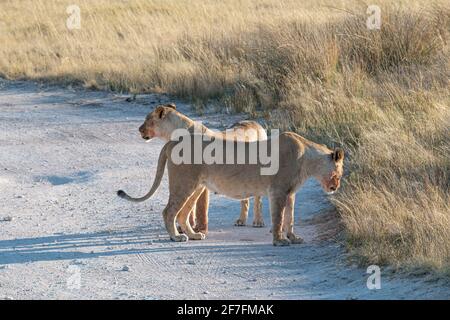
pixel 121 193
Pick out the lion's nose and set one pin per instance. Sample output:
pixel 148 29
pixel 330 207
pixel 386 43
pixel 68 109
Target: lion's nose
pixel 333 188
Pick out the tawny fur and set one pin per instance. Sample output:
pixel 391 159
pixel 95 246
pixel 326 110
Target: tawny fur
pixel 301 159
pixel 165 119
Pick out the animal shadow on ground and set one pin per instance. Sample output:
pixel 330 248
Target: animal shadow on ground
pixel 100 244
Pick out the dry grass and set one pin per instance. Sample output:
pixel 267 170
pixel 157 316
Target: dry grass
pixel 307 66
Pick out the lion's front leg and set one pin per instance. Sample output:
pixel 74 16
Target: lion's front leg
pixel 258 221
pixel 277 207
pixel 289 220
pixel 242 221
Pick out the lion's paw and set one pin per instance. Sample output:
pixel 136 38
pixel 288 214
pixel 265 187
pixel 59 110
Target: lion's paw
pixel 198 236
pixel 295 239
pixel 258 224
pixel 200 230
pixel 179 238
pixel 281 242
pixel 240 223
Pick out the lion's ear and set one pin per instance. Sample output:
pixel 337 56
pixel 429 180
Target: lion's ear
pixel 160 112
pixel 171 105
pixel 337 155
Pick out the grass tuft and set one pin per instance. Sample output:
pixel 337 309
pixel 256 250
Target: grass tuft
pixel 307 66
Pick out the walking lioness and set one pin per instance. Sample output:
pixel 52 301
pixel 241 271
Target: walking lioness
pixel 165 119
pixel 300 160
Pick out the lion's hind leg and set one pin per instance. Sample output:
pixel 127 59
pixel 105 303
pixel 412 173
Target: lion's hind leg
pixel 169 215
pixel 192 219
pixel 177 201
pixel 183 216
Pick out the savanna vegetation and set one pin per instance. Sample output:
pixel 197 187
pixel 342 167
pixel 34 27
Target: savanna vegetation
pixel 308 66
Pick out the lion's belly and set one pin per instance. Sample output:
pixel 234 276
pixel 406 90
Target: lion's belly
pixel 234 189
pixel 231 193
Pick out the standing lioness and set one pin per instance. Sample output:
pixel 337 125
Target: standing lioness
pixel 300 159
pixel 165 119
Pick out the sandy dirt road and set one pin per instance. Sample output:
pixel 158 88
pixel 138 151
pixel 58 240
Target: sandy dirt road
pixel 65 235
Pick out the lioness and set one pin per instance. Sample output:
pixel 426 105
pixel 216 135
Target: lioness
pixel 300 159
pixel 165 119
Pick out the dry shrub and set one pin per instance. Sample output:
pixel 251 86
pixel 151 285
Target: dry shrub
pixel 305 66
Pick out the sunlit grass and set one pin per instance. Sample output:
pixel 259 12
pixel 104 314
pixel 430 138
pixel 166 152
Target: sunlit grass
pixel 309 66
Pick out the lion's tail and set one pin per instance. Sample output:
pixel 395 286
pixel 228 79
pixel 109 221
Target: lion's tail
pixel 159 174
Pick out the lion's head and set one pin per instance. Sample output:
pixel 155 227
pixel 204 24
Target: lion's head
pixel 331 174
pixel 157 123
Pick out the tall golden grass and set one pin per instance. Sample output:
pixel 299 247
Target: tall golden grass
pixel 309 66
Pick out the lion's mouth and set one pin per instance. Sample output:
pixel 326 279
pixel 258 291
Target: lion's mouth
pixel 147 136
